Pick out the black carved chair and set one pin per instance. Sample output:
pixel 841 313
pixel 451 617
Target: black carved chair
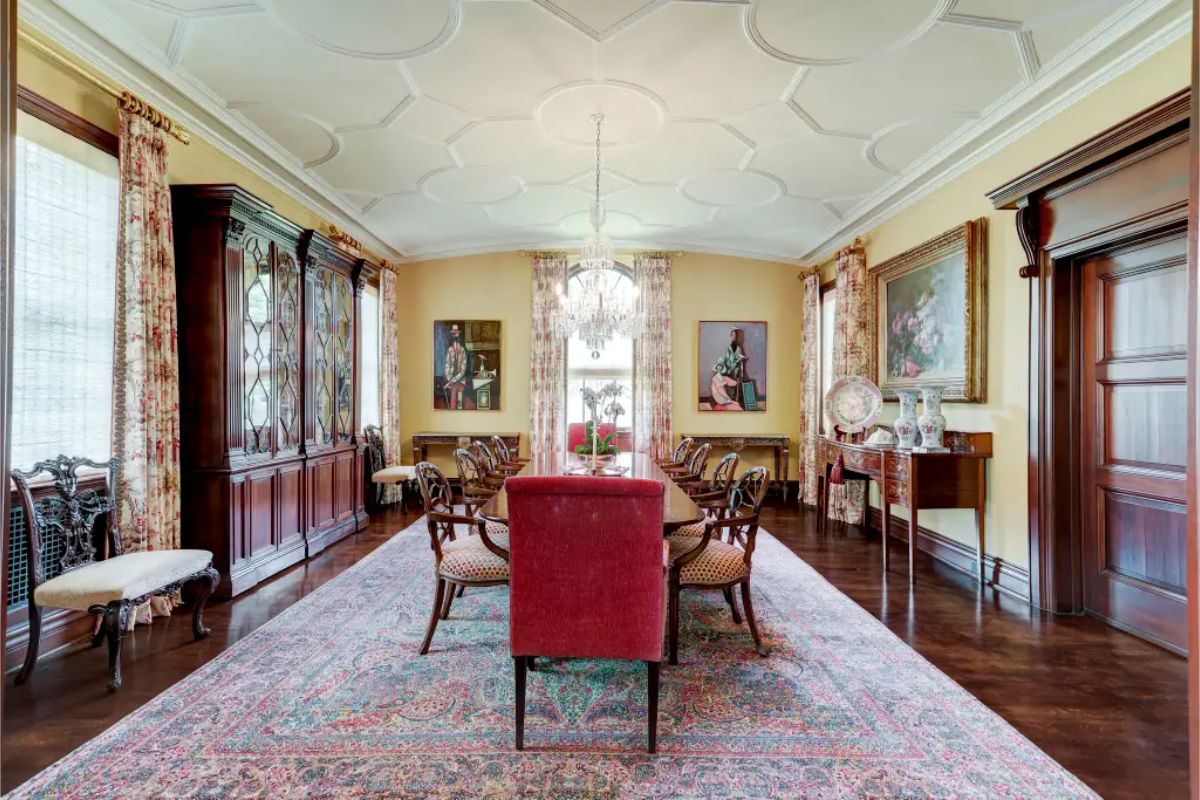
pixel 381 475
pixel 111 586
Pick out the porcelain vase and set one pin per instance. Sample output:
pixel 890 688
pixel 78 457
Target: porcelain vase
pixel 906 424
pixel 931 422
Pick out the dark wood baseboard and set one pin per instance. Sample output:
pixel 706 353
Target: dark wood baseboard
pixel 60 628
pixel 1008 578
pixel 319 541
pixel 250 575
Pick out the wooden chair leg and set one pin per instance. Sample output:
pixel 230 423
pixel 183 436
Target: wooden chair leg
pixel 519 663
pixel 209 579
pixel 749 606
pixel 532 662
pixel 438 597
pixel 733 609
pixel 673 621
pixel 461 589
pixel 449 601
pixel 35 638
pixel 115 618
pixel 97 625
pixel 652 705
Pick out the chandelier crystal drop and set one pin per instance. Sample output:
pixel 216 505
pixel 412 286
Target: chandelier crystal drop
pixel 598 310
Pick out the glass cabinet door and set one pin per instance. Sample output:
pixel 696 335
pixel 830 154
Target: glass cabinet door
pixel 323 357
pixel 287 368
pixel 345 359
pixel 257 293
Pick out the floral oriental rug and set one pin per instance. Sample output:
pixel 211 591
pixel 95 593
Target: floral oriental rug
pixel 330 700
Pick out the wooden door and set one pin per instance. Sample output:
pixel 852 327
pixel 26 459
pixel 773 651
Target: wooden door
pixel 1133 438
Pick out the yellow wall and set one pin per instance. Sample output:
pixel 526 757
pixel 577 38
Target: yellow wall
pixel 497 286
pixel 198 162
pixel 1005 412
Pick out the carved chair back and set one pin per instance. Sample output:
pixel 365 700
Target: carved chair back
pixel 470 472
pixel 501 448
pixel 487 459
pixel 698 462
pixel 376 460
pixel 681 450
pixel 745 502
pixel 438 498
pixel 67 514
pixel 725 472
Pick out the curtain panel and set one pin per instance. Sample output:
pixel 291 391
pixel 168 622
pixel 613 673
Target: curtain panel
pixel 145 409
pixel 389 378
pixel 853 354
pixel 547 360
pixel 810 387
pixel 145 361
pixel 652 357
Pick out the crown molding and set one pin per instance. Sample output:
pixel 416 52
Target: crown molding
pixel 1061 84
pixel 629 245
pixel 89 34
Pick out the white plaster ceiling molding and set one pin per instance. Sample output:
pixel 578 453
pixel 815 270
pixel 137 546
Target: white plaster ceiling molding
pixel 386 29
pixel 600 19
pixel 767 128
pixel 696 57
pixel 631 114
pixel 504 56
pixel 818 32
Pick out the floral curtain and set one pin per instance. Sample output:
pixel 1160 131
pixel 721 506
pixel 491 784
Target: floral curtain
pixel 389 378
pixel 547 360
pixel 853 354
pixel 810 386
pixel 652 356
pixel 145 429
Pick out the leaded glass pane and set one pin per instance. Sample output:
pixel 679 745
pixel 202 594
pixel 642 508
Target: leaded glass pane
pixel 345 359
pixel 256 342
pixel 323 357
pixel 288 368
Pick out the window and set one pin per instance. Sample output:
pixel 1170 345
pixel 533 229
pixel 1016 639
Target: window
pixel 64 294
pixel 368 337
pixel 593 370
pixel 828 304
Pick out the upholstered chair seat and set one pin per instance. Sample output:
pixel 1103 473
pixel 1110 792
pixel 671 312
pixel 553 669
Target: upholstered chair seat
pixel 468 560
pixel 394 474
pixel 719 564
pixel 694 531
pixel 498 533
pixel 126 577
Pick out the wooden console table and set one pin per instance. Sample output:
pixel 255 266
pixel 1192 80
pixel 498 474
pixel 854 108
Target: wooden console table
pixel 954 479
pixel 421 441
pixel 779 442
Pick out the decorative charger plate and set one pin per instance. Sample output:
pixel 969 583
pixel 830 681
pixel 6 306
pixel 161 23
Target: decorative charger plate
pixel 853 404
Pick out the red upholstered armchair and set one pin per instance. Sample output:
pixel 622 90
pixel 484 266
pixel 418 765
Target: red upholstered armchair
pixel 569 539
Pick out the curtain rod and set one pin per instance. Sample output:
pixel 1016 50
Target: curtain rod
pixel 126 100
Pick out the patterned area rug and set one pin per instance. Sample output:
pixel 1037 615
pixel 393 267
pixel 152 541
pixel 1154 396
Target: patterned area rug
pixel 330 699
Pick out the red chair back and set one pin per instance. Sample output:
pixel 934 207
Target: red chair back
pixel 587 567
pixel 575 434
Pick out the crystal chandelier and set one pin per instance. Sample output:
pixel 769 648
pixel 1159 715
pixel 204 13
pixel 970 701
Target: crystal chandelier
pixel 598 310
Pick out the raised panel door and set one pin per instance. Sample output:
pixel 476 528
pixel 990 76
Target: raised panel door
pixel 1134 438
pixel 260 513
pixel 343 485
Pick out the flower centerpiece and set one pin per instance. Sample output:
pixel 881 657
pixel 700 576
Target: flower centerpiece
pixel 599 450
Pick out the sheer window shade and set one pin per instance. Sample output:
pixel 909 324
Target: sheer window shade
pixel 64 295
pixel 368 391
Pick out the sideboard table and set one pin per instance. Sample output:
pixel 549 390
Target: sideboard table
pixel 780 443
pixel 953 479
pixel 421 441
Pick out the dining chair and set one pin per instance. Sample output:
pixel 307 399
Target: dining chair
pixel 504 453
pixel 693 469
pixel 491 464
pixel 571 537
pixel 680 455
pixel 476 484
pixel 711 493
pixel 458 562
pixel 711 563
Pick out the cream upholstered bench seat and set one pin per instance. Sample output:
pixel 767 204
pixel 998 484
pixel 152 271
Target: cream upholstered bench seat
pixel 127 577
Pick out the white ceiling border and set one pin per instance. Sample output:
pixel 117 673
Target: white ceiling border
pixel 974 144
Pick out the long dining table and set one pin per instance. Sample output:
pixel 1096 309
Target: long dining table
pixel 678 508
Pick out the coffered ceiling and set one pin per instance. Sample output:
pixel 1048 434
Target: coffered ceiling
pixel 775 128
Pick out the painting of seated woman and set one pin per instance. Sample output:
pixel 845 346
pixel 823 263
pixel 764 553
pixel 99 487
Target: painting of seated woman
pixel 732 367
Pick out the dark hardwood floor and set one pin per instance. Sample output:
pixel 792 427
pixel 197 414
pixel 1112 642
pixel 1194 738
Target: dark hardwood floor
pixel 1109 707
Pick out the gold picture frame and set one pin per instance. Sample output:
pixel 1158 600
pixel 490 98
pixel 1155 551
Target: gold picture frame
pixel 931 313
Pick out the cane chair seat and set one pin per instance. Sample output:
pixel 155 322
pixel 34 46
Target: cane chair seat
pixel 468 560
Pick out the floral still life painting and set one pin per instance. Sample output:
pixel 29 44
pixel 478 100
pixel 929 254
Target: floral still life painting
pixel 931 308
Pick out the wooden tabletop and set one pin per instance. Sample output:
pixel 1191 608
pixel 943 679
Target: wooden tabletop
pixel 678 508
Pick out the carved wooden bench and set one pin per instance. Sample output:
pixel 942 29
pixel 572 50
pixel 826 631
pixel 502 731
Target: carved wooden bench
pixel 110 587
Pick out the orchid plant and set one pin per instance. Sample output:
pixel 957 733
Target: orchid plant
pixel 605 400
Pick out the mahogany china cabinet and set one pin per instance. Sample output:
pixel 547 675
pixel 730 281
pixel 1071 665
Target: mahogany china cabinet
pixel 268 353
